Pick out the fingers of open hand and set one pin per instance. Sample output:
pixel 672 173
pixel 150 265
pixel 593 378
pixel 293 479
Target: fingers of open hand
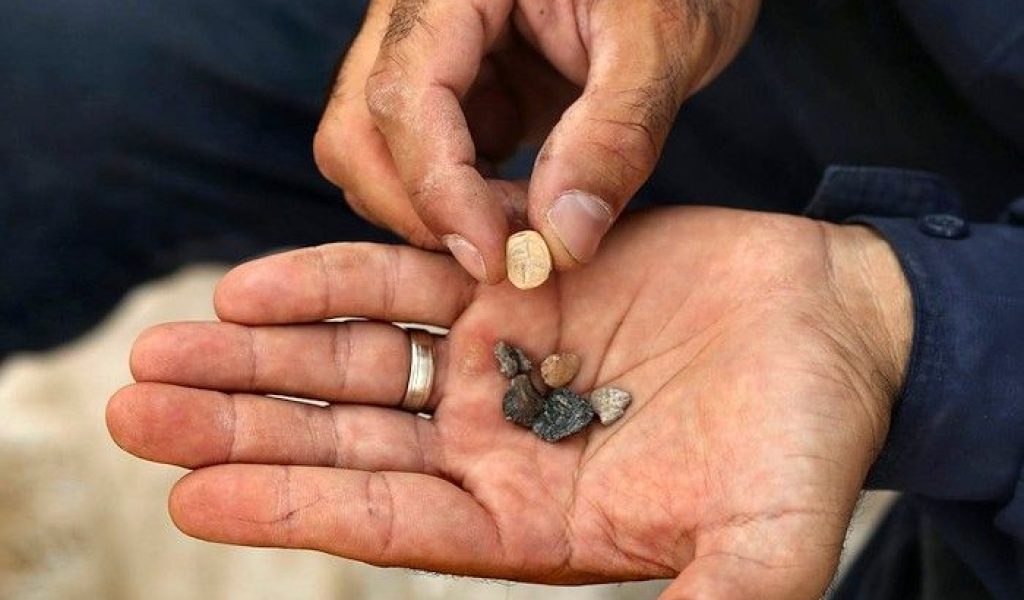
pixel 429 57
pixel 388 283
pixel 194 428
pixel 384 518
pixel 353 362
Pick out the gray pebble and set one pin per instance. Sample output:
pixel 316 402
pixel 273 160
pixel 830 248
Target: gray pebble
pixel 511 360
pixel 521 403
pixel 565 413
pixel 609 403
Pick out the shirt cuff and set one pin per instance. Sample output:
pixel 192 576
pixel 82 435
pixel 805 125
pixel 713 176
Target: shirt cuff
pixel 957 429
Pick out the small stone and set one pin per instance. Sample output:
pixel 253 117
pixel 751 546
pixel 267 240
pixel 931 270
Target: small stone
pixel 522 403
pixel 609 403
pixel 511 360
pixel 559 369
pixel 565 413
pixel 538 382
pixel 528 260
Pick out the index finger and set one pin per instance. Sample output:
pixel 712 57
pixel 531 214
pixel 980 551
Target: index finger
pixel 376 281
pixel 429 58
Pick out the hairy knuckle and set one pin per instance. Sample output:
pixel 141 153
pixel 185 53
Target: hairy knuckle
pixel 403 19
pixel 704 14
pixel 657 101
pixel 630 148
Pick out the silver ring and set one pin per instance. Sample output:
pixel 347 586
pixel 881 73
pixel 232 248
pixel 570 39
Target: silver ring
pixel 421 370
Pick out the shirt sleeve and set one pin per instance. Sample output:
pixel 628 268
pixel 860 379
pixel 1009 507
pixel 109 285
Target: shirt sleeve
pixel 957 434
pixel 956 440
pixel 957 430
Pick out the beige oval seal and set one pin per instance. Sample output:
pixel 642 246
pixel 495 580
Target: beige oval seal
pixel 528 259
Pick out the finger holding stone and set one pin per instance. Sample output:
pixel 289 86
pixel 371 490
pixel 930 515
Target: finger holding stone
pixel 429 59
pixel 352 362
pixel 376 281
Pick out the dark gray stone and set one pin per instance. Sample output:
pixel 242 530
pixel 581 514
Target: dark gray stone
pixel 565 412
pixel 512 360
pixel 522 403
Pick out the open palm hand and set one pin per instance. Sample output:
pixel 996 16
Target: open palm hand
pixel 759 357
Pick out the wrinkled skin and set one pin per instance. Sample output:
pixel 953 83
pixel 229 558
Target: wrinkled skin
pixel 432 95
pixel 762 352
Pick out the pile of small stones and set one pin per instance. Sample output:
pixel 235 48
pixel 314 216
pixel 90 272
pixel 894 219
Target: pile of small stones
pixel 544 404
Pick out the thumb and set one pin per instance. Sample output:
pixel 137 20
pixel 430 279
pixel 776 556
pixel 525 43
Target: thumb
pixel 607 143
pixel 642 64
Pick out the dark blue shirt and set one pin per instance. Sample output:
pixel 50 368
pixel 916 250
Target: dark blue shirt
pixel 957 436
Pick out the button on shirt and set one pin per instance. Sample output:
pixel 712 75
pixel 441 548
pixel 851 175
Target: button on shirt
pixel 944 226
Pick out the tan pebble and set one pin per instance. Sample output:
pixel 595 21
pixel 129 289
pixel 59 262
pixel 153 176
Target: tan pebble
pixel 522 403
pixel 528 259
pixel 609 403
pixel 559 369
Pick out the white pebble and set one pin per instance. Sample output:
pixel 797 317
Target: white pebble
pixel 609 403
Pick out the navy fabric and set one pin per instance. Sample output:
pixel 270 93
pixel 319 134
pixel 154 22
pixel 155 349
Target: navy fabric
pixel 956 437
pixel 140 135
pixel 909 559
pixel 980 47
pixel 836 82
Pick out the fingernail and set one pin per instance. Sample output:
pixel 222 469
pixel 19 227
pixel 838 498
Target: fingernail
pixel 580 220
pixel 467 255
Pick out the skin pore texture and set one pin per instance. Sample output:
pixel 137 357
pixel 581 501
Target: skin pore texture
pixel 763 353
